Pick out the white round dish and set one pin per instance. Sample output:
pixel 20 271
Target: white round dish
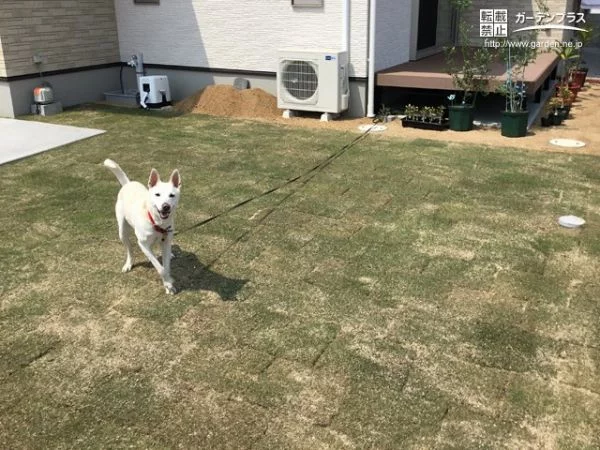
pixel 570 221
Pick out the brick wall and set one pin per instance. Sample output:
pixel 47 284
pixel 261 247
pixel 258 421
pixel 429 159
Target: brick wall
pixel 66 33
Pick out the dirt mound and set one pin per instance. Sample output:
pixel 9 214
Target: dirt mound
pixel 225 100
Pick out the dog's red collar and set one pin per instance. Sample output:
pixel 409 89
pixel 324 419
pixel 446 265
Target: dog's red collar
pixel 163 231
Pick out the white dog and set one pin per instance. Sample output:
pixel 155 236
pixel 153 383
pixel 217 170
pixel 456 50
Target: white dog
pixel 151 213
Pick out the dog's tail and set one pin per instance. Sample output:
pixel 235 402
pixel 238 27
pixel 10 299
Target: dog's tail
pixel 117 171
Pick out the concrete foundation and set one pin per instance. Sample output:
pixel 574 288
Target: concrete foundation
pixel 75 88
pixel 70 89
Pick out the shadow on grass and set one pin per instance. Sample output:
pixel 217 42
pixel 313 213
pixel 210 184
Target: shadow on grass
pixel 192 275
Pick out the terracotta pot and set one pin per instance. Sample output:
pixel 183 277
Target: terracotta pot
pixel 574 88
pixel 578 77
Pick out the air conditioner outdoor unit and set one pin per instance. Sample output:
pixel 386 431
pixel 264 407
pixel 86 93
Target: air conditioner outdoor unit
pixel 314 80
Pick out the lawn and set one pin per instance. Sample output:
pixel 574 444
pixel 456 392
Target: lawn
pixel 411 294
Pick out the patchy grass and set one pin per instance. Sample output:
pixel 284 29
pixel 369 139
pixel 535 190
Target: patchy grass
pixel 410 295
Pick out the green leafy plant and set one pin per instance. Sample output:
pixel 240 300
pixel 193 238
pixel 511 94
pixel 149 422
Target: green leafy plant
pixel 517 58
pixel 569 57
pixel 427 113
pixel 438 113
pixel 468 66
pixel 565 96
pixel 551 106
pixel 412 112
pixel 383 113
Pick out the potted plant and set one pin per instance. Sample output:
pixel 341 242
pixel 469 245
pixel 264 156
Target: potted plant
pixel 427 114
pixel 438 114
pixel 569 57
pixel 551 115
pixel 426 117
pixel 565 97
pixel 469 68
pixel 385 114
pixel 515 115
pixel 411 112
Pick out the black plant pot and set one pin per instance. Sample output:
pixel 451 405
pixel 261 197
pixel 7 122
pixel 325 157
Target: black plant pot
pixel 409 123
pixel 555 118
pixel 563 112
pixel 461 117
pixel 514 124
pixel 551 119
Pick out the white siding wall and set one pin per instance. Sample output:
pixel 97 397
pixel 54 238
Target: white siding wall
pixel 392 42
pixel 241 34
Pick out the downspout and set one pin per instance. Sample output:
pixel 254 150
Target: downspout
pixel 371 59
pixel 346 26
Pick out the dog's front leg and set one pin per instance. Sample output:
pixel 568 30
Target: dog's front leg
pixel 166 278
pixel 166 261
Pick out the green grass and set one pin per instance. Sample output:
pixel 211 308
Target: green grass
pixel 410 295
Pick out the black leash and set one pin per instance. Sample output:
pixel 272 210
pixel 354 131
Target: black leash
pixel 314 170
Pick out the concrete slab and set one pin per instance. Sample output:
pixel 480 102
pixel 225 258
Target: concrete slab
pixel 22 138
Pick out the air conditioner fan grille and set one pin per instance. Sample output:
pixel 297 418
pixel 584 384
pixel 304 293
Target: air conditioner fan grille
pixel 300 79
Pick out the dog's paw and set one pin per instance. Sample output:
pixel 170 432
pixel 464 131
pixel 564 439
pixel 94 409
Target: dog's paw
pixel 170 289
pixel 126 268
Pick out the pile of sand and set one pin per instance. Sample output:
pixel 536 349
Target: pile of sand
pixel 225 100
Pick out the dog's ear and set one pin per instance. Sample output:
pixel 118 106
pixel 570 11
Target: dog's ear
pixel 154 178
pixel 176 179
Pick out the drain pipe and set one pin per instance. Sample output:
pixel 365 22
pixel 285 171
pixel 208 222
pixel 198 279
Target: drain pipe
pixel 346 26
pixel 371 59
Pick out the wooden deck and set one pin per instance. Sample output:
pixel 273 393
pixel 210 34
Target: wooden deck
pixel 430 73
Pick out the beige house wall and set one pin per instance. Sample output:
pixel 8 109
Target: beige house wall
pixel 65 33
pixel 243 35
pixel 2 65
